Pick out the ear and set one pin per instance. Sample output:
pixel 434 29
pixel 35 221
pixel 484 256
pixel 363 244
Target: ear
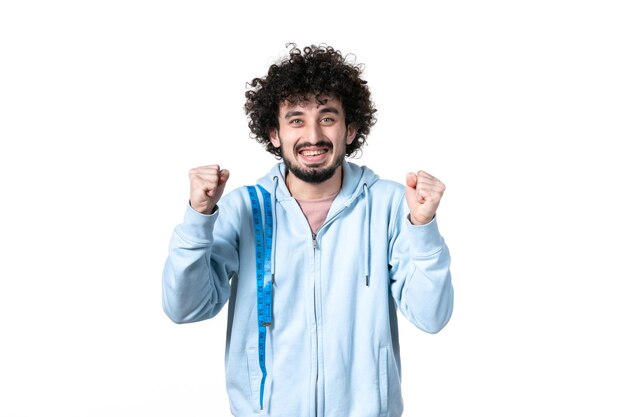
pixel 351 134
pixel 274 138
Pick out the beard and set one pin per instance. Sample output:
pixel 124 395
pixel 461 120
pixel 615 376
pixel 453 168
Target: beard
pixel 312 174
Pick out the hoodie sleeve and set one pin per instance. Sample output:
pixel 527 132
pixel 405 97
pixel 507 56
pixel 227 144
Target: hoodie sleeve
pixel 202 258
pixel 420 273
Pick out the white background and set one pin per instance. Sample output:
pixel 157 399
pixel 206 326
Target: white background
pixel 519 107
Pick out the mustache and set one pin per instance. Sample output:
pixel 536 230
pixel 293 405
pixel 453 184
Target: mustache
pixel 323 144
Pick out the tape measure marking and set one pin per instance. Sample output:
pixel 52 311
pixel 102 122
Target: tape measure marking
pixel 263 248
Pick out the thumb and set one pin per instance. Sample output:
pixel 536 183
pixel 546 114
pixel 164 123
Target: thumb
pixel 223 178
pixel 411 191
pixel 224 175
pixel 411 180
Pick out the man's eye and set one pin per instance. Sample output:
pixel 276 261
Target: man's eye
pixel 295 122
pixel 328 120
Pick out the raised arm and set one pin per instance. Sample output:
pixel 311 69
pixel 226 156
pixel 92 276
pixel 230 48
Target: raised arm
pixel 201 261
pixel 420 261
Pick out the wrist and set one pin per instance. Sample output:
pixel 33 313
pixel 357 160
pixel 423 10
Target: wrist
pixel 205 209
pixel 420 220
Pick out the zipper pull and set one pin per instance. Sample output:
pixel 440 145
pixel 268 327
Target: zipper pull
pixel 314 240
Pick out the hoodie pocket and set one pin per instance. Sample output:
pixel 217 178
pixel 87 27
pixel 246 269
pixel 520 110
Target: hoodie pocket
pixel 383 380
pixel 254 376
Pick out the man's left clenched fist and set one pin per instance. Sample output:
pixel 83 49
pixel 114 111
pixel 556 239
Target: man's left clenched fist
pixel 423 194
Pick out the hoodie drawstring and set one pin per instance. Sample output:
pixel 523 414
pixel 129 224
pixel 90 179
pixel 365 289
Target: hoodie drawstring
pixel 367 235
pixel 273 268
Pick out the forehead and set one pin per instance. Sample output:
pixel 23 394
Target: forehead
pixel 311 103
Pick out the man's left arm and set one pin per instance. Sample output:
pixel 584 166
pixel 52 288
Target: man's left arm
pixel 419 259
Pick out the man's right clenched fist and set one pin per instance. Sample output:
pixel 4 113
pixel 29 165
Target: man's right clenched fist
pixel 207 186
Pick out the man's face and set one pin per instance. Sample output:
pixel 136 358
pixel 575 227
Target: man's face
pixel 313 138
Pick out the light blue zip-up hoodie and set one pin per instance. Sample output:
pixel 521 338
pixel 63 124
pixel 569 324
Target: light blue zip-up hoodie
pixel 332 349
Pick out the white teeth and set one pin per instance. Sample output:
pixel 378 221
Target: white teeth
pixel 312 153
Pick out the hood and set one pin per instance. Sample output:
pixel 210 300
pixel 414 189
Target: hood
pixel 355 178
pixel 356 181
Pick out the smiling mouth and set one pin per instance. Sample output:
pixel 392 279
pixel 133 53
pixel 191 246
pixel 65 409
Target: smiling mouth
pixel 313 152
pixel 317 149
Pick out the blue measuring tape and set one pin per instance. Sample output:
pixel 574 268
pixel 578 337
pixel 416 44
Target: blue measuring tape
pixel 263 248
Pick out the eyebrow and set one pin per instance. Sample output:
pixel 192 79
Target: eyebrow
pixel 300 113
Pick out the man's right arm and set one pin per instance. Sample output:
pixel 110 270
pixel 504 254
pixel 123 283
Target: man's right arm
pixel 200 263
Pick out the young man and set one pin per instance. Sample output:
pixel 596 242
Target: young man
pixel 316 259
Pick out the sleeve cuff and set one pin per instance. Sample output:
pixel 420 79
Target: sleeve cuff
pixel 197 226
pixel 425 239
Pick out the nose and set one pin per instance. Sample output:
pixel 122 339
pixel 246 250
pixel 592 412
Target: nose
pixel 313 133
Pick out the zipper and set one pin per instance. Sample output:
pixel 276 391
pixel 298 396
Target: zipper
pixel 317 321
pixel 316 407
pixel 319 406
pixel 313 408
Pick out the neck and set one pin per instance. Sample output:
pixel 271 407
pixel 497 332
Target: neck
pixel 302 190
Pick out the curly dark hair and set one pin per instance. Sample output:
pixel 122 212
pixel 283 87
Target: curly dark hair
pixel 320 70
